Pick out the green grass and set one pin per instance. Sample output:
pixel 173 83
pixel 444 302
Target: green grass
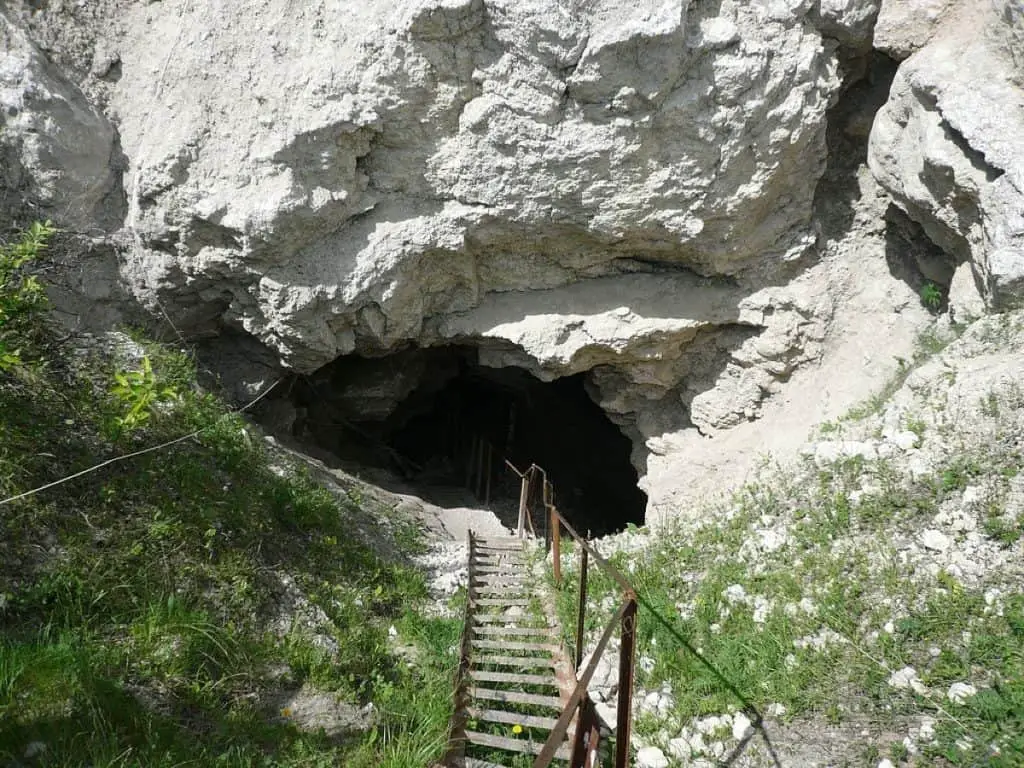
pixel 416 708
pixel 833 612
pixel 153 612
pixel 839 557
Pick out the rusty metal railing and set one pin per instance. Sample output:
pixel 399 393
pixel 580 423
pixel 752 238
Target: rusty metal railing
pixel 580 705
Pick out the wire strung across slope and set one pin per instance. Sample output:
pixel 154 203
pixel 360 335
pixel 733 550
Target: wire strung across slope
pixel 133 454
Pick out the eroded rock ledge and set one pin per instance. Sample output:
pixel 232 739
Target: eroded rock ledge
pixel 621 189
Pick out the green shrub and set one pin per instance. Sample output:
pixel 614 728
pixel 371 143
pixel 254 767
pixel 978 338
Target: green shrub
pixel 137 394
pixel 21 294
pixel 931 296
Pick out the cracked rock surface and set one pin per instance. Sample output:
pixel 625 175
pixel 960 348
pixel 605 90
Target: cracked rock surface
pixel 332 186
pixel 668 195
pixel 947 144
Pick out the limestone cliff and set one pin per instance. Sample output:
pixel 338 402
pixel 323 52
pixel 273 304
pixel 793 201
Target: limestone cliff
pixel 948 145
pixel 667 195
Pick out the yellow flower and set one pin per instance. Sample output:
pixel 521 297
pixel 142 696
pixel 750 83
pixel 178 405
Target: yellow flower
pixel 517 729
pixel 286 712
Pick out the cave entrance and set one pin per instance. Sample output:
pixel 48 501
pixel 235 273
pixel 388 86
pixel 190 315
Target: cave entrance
pixel 444 420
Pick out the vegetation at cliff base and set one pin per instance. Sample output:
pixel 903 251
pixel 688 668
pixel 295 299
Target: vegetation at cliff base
pixel 207 603
pixel 866 601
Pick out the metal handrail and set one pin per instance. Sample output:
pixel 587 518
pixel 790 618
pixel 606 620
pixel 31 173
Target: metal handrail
pixel 558 733
pixel 607 567
pixel 584 754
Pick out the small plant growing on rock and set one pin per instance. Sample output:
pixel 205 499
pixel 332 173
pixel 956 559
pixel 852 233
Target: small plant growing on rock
pixel 918 427
pixel 931 296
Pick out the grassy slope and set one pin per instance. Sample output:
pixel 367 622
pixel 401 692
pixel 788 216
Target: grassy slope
pixel 867 611
pixel 157 612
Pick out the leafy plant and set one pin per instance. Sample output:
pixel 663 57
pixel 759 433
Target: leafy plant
pixel 138 393
pixel 21 295
pixel 931 296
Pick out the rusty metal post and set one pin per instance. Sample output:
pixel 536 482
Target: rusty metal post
pixel 545 501
pixel 579 745
pixel 581 611
pixel 594 738
pixel 627 654
pixel 587 738
pixel 524 492
pixel 545 516
pixel 556 545
pixel 528 496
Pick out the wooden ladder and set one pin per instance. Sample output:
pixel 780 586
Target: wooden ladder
pixel 515 677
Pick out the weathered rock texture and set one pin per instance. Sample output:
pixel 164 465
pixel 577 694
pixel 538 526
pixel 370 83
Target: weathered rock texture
pixel 948 145
pixel 59 156
pixel 333 186
pixel 628 189
pixel 904 26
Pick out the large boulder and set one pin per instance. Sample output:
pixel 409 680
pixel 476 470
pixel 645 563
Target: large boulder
pixel 948 147
pixel 59 156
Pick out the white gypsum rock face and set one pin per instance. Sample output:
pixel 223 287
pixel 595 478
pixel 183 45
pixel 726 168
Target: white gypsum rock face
pixel 625 190
pixel 363 173
pixel 947 145
pixel 59 155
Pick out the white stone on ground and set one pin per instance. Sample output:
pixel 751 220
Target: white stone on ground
pixel 959 692
pixel 935 540
pixel 651 757
pixel 907 678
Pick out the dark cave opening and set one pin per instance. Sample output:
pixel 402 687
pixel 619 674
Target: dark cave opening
pixel 443 420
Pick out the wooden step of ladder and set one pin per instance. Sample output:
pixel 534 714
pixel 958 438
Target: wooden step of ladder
pixel 520 619
pixel 490 629
pixel 522 746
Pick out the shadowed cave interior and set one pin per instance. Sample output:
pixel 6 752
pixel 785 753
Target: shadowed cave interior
pixel 444 421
